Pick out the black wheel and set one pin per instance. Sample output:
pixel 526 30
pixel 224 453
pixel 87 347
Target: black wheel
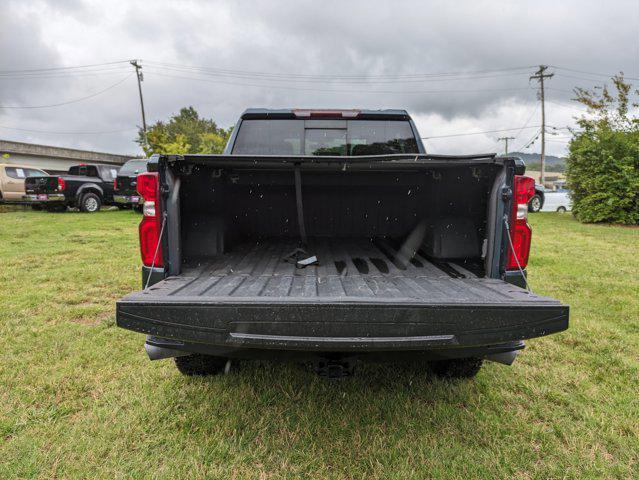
pixel 561 209
pixel 457 367
pixel 90 203
pixel 137 208
pixel 198 364
pixel 534 205
pixel 36 207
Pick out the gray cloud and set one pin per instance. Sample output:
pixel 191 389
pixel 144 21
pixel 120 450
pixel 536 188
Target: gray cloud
pixel 319 38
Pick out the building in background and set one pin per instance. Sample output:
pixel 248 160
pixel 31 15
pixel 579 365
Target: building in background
pixel 552 178
pixel 54 159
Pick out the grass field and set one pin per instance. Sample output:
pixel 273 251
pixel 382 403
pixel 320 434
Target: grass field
pixel 78 397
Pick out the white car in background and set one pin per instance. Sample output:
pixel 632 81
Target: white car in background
pixel 557 201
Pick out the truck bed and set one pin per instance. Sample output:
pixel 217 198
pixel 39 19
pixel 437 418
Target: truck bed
pixel 361 293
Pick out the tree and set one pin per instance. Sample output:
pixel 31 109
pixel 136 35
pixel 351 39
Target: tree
pixel 603 163
pixel 185 132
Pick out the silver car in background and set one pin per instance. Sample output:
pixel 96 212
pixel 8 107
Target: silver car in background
pixel 557 201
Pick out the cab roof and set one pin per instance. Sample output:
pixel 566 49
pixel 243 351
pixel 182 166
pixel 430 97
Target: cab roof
pixel 332 113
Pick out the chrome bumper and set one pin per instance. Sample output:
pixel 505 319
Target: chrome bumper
pixel 43 197
pixel 126 199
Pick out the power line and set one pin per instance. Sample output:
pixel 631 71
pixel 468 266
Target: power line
pixel 73 74
pixel 50 69
pixel 529 142
pixel 263 79
pixel 71 68
pixel 333 90
pixel 575 77
pixel 590 73
pixel 566 105
pixel 337 80
pixel 332 77
pixel 70 101
pixel 560 89
pixel 478 133
pixel 205 70
pixel 67 133
pixel 532 114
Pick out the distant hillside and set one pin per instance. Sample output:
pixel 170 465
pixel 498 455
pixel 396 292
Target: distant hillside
pixel 532 160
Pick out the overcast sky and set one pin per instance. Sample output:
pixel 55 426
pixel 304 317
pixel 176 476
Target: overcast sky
pixel 223 57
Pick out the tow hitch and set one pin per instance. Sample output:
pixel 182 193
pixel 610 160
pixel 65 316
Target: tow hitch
pixel 334 368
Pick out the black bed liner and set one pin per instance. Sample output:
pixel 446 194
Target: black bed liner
pixel 349 269
pixel 361 294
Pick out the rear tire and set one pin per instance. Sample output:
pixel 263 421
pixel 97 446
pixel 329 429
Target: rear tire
pixel 457 368
pixel 90 203
pixel 534 205
pixel 198 364
pixel 561 210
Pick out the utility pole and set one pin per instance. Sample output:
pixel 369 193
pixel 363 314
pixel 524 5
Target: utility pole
pixel 540 75
pixel 138 67
pixel 505 139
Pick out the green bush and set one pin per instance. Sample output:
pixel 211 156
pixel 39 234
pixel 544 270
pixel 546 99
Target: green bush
pixel 603 163
pixel 603 174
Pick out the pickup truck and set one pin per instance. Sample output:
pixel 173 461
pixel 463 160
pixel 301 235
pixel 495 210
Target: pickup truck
pixel 125 193
pixel 86 187
pixel 12 181
pixel 330 237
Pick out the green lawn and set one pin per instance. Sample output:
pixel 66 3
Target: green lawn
pixel 78 397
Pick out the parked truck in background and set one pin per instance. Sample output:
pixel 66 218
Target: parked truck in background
pixel 125 192
pixel 331 236
pixel 87 187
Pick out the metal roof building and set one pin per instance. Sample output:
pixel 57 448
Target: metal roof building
pixel 54 159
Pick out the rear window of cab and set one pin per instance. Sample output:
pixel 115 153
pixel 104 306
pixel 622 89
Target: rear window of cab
pixel 325 137
pixel 21 173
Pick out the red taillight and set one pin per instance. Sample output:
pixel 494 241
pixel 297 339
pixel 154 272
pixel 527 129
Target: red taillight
pixel 149 188
pixel 520 231
pixel 61 184
pixel 115 184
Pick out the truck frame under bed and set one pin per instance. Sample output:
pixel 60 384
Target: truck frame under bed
pixel 360 297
